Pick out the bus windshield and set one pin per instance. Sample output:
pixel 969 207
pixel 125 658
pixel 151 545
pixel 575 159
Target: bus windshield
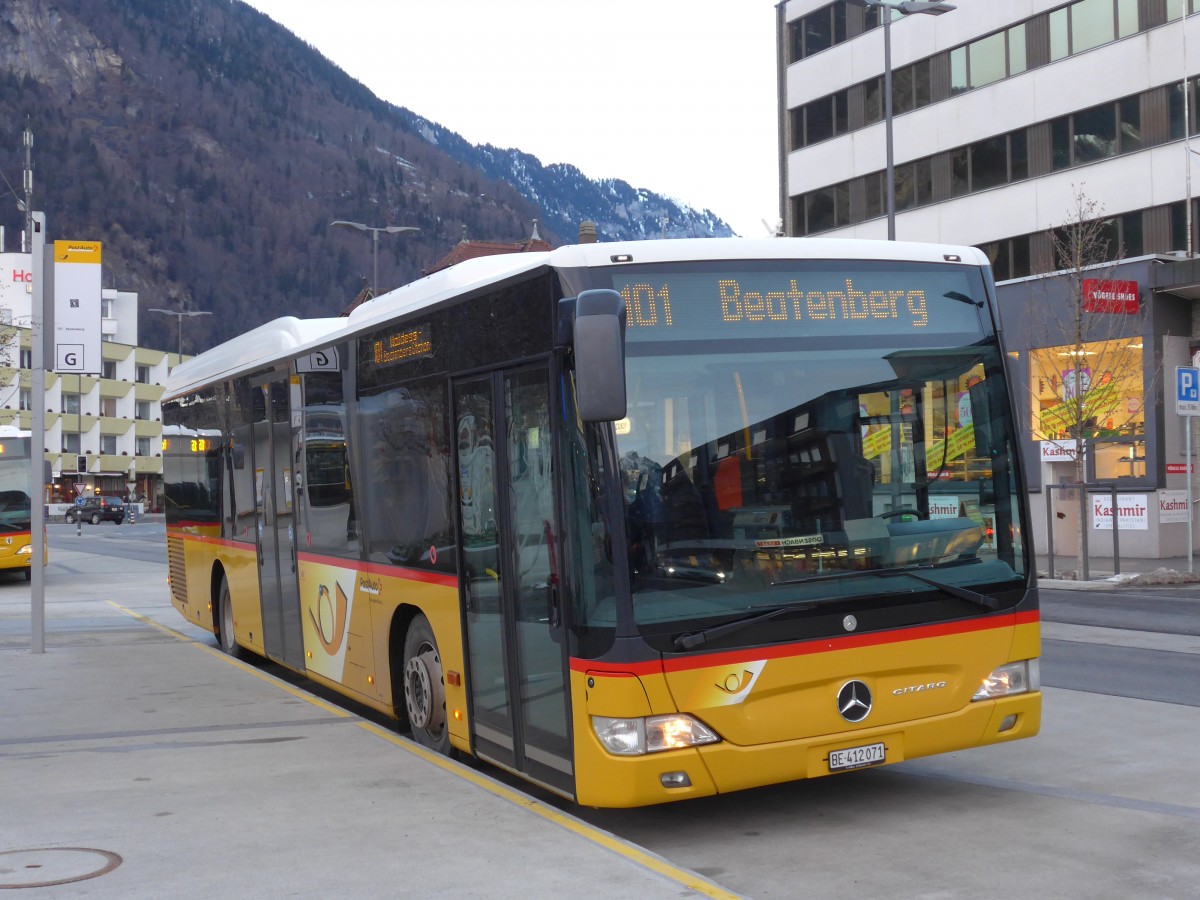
pixel 813 425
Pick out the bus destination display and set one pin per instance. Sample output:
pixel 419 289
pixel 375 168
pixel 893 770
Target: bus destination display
pixel 414 342
pixel 686 305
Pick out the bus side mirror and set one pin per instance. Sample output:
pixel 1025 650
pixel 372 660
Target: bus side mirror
pixel 598 337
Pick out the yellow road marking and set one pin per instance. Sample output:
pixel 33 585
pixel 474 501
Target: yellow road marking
pixel 570 823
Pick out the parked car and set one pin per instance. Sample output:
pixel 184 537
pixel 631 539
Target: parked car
pixel 98 509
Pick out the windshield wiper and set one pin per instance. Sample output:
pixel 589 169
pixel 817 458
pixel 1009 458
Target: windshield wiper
pixel 690 640
pixel 693 639
pixel 983 601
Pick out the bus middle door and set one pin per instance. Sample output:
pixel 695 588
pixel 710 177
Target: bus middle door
pixel 279 585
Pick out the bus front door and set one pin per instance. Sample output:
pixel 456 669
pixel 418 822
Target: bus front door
pixel 279 586
pixel 509 574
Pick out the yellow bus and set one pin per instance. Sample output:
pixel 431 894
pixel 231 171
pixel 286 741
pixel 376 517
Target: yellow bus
pixel 636 521
pixel 16 543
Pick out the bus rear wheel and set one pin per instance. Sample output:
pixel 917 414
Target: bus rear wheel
pixel 425 687
pixel 225 633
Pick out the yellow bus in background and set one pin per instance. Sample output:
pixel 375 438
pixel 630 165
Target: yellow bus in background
pixel 16 545
pixel 638 522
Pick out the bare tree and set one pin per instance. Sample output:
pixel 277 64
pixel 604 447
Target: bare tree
pixel 1088 372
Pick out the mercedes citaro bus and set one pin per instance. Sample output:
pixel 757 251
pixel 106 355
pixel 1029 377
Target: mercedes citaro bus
pixel 637 521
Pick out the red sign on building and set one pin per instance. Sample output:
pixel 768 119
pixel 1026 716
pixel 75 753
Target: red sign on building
pixel 1104 296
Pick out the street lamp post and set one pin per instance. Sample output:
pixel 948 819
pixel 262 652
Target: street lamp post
pixel 180 315
pixel 386 229
pixel 905 8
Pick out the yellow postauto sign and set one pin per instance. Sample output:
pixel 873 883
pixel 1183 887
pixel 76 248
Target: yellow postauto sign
pixel 77 252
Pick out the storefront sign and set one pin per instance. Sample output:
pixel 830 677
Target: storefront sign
pixel 1132 512
pixel 943 507
pixel 1177 468
pixel 1104 296
pixel 1172 506
pixel 1059 451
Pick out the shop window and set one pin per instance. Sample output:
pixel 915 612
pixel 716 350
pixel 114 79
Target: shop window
pixel 1093 391
pixel 1115 460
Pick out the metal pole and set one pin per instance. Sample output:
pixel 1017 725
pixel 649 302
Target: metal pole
pixel 1050 528
pixel 37 438
pixel 1116 533
pixel 1187 452
pixel 1083 528
pixel 179 340
pixel 887 119
pixel 374 263
pixel 1187 139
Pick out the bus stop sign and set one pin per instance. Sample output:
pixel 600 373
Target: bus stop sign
pixel 1187 391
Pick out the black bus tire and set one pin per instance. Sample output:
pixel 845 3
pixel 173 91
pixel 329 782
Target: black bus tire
pixel 424 687
pixel 225 633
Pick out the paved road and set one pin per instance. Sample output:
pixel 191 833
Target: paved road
pixel 1098 806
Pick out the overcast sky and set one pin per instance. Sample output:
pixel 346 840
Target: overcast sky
pixel 677 98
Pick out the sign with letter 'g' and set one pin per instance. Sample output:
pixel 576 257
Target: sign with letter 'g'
pixel 77 307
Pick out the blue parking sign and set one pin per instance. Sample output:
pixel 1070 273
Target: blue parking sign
pixel 1187 390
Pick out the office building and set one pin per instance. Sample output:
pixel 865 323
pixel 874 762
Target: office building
pixel 1008 119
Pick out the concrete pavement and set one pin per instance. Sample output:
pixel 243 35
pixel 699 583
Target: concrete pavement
pixel 139 761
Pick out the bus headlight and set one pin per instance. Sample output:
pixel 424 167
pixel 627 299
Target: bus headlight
pixel 27 550
pixel 650 734
pixel 1011 678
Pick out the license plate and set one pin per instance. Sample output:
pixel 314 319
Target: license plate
pixel 856 757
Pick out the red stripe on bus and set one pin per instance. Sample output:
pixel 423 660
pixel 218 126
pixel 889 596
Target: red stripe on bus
pixel 805 648
pixel 422 575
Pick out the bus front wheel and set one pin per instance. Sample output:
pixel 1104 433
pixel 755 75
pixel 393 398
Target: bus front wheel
pixel 425 687
pixel 225 630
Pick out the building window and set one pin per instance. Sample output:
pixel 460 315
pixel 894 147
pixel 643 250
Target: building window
pixel 143 374
pixel 108 406
pixel 142 410
pixel 108 444
pixel 108 368
pixel 26 358
pixel 26 399
pixel 144 446
pixel 106 307
pixel 71 404
pixel 71 442
pixel 1101 396
pixel 817 31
